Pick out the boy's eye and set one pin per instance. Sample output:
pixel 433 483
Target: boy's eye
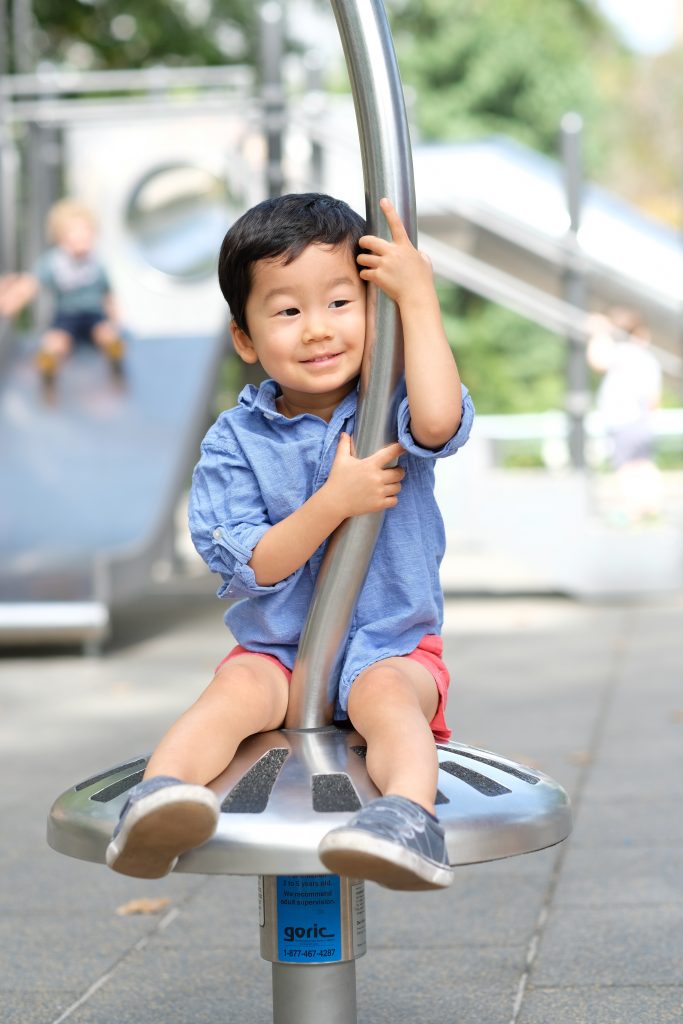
pixel 338 303
pixel 290 311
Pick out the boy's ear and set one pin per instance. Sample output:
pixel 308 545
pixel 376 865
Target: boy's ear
pixel 243 344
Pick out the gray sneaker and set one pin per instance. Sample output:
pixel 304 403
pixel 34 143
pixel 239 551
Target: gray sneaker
pixel 392 841
pixel 161 819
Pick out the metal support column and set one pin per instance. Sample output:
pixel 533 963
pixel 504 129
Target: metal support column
pixel 315 108
pixel 7 159
pixel 271 17
pixel 310 994
pixel 578 395
pixel 300 990
pixel 44 185
pixel 8 262
pixel 23 48
pixel 312 930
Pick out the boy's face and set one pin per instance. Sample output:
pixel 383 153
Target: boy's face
pixel 306 325
pixel 77 235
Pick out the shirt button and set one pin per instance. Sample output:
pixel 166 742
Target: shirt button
pixel 217 534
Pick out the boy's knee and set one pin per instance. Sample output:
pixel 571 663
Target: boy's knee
pixel 380 681
pixel 397 683
pixel 253 682
pixel 236 676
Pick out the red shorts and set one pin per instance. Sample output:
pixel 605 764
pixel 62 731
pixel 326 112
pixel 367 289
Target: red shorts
pixel 428 653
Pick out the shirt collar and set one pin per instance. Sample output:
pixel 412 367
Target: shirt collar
pixel 262 399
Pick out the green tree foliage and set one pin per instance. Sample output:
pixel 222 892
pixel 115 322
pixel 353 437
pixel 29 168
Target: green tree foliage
pixel 513 66
pixel 108 34
pixel 509 67
pixel 642 141
pixel 509 364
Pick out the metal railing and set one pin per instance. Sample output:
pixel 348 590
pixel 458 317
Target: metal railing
pixel 554 314
pixel 159 79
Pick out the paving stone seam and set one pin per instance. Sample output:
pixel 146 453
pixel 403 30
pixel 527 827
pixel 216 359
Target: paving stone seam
pixel 137 947
pixel 605 701
pixel 671 904
pixel 102 980
pixel 647 986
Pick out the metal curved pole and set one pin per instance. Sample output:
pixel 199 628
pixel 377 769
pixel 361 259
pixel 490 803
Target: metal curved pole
pixel 387 171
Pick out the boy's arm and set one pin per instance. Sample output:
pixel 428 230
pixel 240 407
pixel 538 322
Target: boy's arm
pixel 354 487
pixel 16 291
pixel 229 521
pixel 432 378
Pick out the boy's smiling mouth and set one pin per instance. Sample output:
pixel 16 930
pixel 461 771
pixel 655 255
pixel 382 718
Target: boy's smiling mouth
pixel 324 358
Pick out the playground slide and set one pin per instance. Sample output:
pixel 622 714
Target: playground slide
pixel 90 478
pixel 510 243
pixel 535 304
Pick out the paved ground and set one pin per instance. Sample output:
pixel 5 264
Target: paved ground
pixel 591 931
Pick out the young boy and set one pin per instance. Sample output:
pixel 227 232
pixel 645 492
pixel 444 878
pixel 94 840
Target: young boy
pixel 277 475
pixel 73 275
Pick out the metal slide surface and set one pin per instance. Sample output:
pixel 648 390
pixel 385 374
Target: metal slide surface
pixel 501 210
pixel 89 480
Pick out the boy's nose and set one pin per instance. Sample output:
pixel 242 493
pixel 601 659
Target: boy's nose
pixel 315 328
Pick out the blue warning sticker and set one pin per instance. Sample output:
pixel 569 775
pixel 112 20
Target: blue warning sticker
pixel 308 918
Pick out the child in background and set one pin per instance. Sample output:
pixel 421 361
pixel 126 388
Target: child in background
pixel 629 393
pixel 277 476
pixel 70 271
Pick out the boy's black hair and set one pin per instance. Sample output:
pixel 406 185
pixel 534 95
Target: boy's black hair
pixel 281 227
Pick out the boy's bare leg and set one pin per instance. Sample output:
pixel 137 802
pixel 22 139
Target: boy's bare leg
pixel 391 705
pixel 395 840
pixel 171 811
pixel 248 695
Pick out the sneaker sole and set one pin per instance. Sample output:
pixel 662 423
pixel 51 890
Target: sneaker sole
pixel 160 828
pixel 361 855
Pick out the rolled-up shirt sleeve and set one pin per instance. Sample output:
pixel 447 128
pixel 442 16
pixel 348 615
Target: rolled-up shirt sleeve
pixel 227 518
pixel 456 441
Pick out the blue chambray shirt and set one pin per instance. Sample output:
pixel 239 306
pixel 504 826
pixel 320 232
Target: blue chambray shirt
pixel 257 467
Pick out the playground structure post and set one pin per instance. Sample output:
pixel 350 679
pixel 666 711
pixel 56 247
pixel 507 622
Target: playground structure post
pixel 571 130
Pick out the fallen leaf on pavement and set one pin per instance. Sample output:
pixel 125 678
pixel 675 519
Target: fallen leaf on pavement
pixel 144 905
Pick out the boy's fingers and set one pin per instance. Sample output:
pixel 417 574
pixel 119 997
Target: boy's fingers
pixel 374 243
pixel 344 442
pixel 368 259
pixel 398 231
pixel 389 453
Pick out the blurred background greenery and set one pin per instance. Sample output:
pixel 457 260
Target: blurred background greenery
pixel 471 68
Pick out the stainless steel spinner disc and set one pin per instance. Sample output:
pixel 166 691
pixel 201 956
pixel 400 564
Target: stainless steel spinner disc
pixel 285 790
